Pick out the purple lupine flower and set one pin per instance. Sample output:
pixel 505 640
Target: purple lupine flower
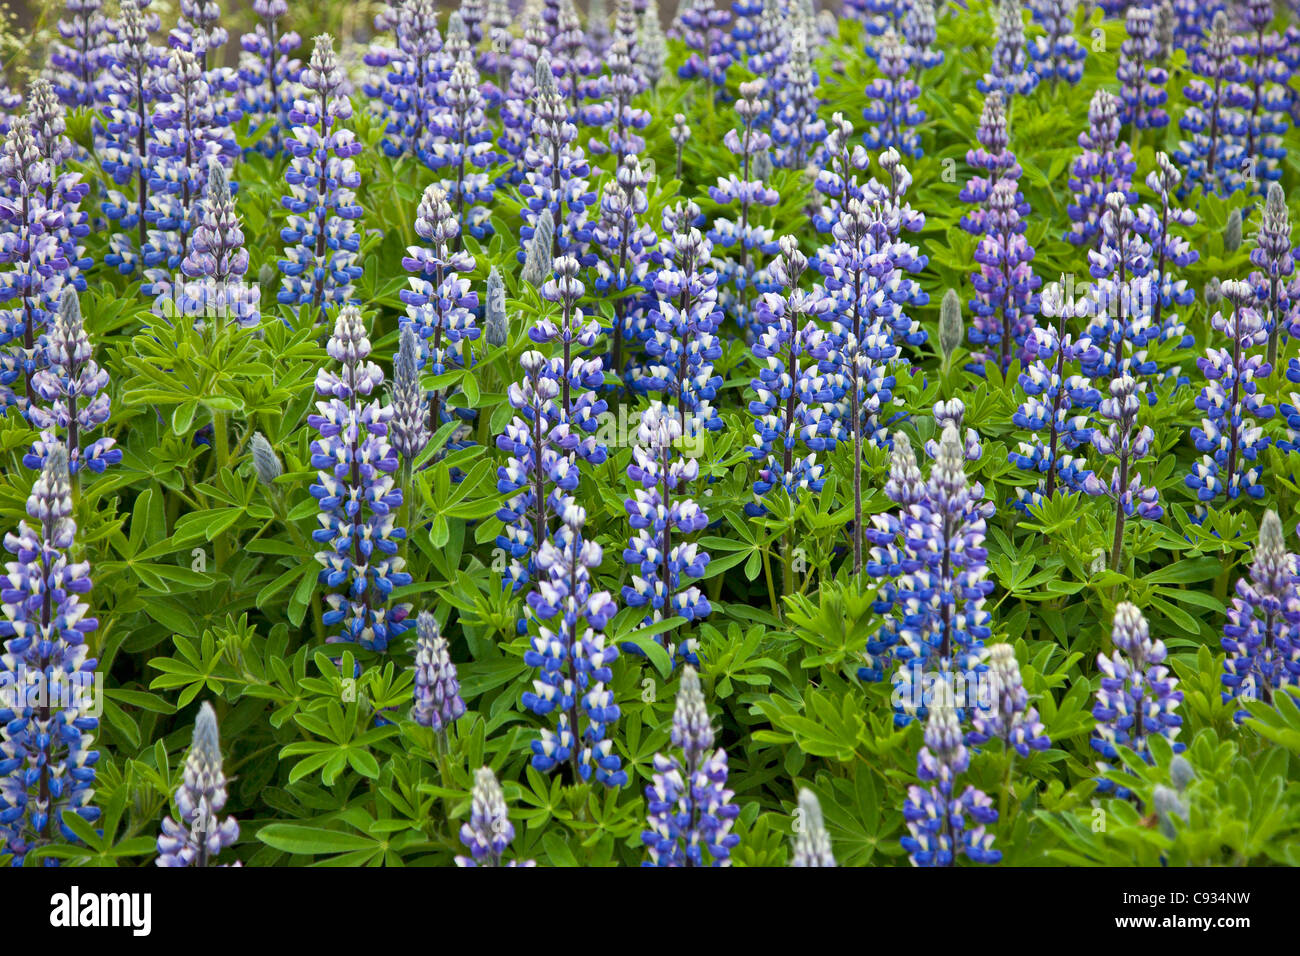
pixel 797 131
pixel 321 241
pixel 1137 699
pixel 1261 634
pixel 186 136
pixel 80 57
pixel 1213 123
pixel 356 493
pixel 1058 55
pixel 579 407
pixel 518 95
pixel 1009 72
pixel 745 193
pixel 952 412
pixel 461 140
pixel 1105 166
pixel 47 696
pixel 1230 434
pixel 935 551
pixel 472 14
pixel 1126 444
pixel 1265 74
pixel 1192 22
pixel 35 266
pixel 71 397
pixel 796 402
pixel 746 37
pixel 1006 714
pixel 689 813
pixel 769 23
pixel 571 656
pixel 614 110
pixel 130 90
pixel 662 516
pixel 50 128
pixel 212 281
pixel 651 46
pixel 892 109
pixel 570 53
pixel 703 29
pixel 436 690
pixel 1142 79
pixel 268 73
pixel 1006 288
pixel 1123 295
pixel 199 836
pixel 198 31
pixel 812 844
pixel 994 158
pixel 1277 289
pixel 939 819
pixel 622 271
pixel 1171 251
pixel 920 34
pixel 489 831
pixel 407 76
pixel 557 173
pixel 1057 400
pixel 410 404
pixel 494 60
pixel 681 339
pixel 440 304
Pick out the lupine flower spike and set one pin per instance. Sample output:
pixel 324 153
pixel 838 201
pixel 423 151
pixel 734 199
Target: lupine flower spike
pixel 1126 444
pixel 438 703
pixel 199 837
pixel 812 844
pixel 47 695
pixel 689 813
pixel 489 831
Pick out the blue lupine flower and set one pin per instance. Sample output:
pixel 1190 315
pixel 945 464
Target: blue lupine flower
pixel 920 33
pixel 933 551
pixel 126 128
pixel 613 110
pixel 751 240
pixel 47 692
pixel 557 172
pixel 407 76
pixel 689 813
pixel 198 31
pixel 797 403
pixel 662 516
pixel 72 401
pixel 410 429
pixel 1212 154
pixel 1142 80
pixel 938 817
pixel 994 158
pixel 187 134
pixel 812 844
pixel 1137 699
pixel 651 46
pixel 797 131
pixel 703 29
pixel 892 110
pixel 268 73
pixel 1009 72
pixel 681 339
pixel 1170 251
pixel 50 129
pixel 837 178
pixel 1006 715
pixel 579 407
pixel 1127 445
pixel 320 257
pixel 1105 166
pixel 212 282
pixel 1193 21
pixel 1265 74
pixel 200 835
pixel 1261 634
pixel 461 140
pixel 571 52
pixel 1230 434
pixel 357 495
pixel 1058 55
pixel 1006 288
pixel 440 304
pixel 34 264
pixel 622 271
pixel 436 691
pixel 518 93
pixel 571 656
pixel 81 55
pixel 746 24
pixel 952 412
pixel 1055 410
pixel 766 27
pixel 1277 290
pixel 489 830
